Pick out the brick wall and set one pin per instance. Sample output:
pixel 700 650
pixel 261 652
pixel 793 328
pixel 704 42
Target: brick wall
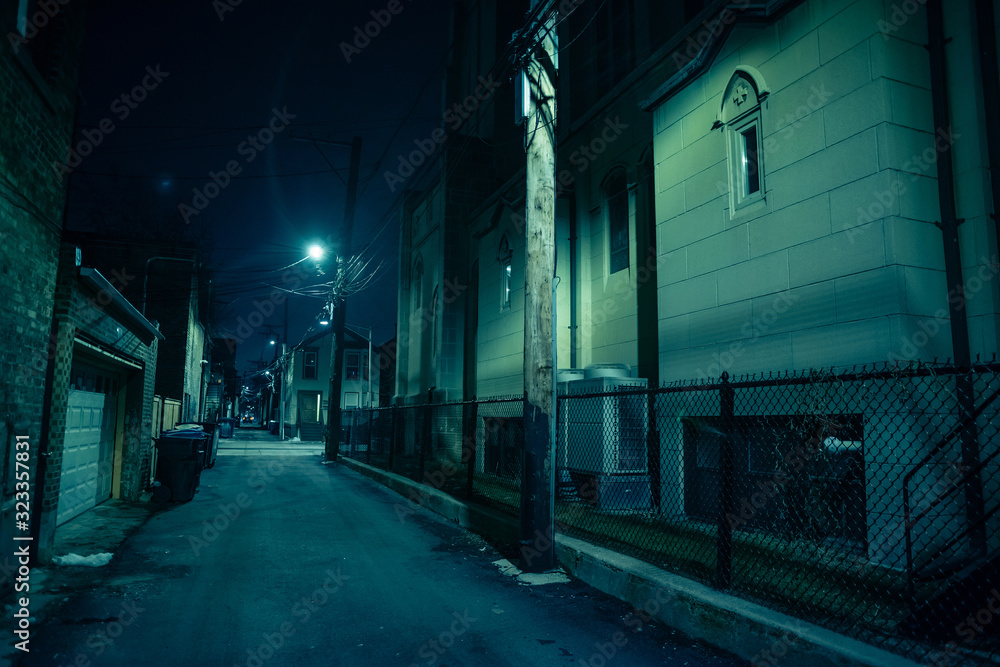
pixel 36 125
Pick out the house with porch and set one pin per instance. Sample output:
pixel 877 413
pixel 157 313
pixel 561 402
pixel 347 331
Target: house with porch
pixel 306 375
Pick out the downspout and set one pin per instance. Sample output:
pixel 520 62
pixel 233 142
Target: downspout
pixel 986 22
pixel 953 273
pixel 572 280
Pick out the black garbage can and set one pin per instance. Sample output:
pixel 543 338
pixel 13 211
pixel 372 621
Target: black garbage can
pixel 180 454
pixel 212 430
pixel 227 427
pixel 272 427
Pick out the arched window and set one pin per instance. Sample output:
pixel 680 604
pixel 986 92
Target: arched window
pixel 616 196
pixel 740 116
pixel 505 258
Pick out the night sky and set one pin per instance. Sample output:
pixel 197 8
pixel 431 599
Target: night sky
pixel 214 75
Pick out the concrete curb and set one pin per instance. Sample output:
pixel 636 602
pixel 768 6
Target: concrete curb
pixel 747 629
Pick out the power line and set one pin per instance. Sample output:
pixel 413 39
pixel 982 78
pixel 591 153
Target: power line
pixel 160 177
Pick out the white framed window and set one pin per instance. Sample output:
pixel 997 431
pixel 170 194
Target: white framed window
pixel 356 365
pixel 310 363
pixel 505 257
pixel 740 118
pixel 746 164
pixel 616 196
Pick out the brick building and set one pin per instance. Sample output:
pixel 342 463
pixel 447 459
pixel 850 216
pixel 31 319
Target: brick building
pixel 38 77
pixel 101 398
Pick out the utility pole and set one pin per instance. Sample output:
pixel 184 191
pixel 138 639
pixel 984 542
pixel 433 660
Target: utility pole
pixel 281 385
pixel 369 367
pixel 339 306
pixel 538 479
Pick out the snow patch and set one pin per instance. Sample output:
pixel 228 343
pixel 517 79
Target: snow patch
pixel 94 560
pixel 530 579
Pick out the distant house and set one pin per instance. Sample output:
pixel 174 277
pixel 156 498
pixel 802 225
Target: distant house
pixel 307 383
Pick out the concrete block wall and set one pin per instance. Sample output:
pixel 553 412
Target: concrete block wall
pixel 500 350
pixel 610 137
pixel 846 234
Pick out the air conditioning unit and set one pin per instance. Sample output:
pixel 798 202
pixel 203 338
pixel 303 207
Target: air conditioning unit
pixel 601 440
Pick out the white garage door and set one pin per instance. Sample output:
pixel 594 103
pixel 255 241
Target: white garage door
pixel 88 453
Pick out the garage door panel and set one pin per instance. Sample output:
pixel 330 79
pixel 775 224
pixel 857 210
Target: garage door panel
pixel 88 446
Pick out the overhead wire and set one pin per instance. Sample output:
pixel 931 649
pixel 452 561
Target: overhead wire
pixel 501 68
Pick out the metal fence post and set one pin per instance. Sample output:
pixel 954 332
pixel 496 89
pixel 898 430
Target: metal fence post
pixel 727 486
pixel 353 432
pixel 653 450
pixel 371 421
pixel 392 435
pixel 426 439
pixel 469 444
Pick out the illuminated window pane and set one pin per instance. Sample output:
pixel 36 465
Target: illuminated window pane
pixel 751 164
pixel 505 278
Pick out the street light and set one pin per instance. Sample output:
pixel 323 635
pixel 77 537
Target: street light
pixel 316 251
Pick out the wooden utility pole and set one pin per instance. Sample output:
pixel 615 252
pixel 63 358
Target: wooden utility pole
pixel 538 479
pixel 339 301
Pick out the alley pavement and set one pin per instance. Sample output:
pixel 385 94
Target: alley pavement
pixel 282 559
pixel 258 442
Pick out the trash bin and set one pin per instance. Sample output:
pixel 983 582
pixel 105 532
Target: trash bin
pixel 212 446
pixel 272 427
pixel 178 469
pixel 227 427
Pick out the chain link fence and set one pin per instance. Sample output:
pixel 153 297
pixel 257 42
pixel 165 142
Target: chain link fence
pixel 863 501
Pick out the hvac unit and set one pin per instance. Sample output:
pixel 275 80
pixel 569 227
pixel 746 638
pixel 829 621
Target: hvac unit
pixel 602 440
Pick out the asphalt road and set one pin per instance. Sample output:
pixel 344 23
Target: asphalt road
pixel 282 560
